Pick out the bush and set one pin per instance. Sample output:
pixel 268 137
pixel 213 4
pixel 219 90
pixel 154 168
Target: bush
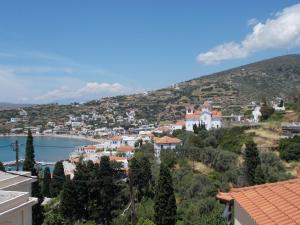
pixel 225 161
pixel 291 152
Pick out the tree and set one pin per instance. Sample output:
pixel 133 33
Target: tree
pixel 58 179
pixel 46 182
pixel 2 168
pixel 140 171
pixel 29 161
pixel 81 178
pixel 37 209
pixel 109 191
pixel 259 175
pixel 68 202
pixel 146 222
pixel 165 203
pixel 251 161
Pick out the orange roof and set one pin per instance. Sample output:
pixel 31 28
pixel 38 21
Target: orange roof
pixel 117 138
pixel 216 113
pixel 275 203
pixel 167 140
pixel 116 158
pixel 90 147
pixel 164 129
pixel 125 148
pixel 180 123
pixel 192 117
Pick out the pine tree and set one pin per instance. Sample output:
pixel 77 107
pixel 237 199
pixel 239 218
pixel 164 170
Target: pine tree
pixel 165 203
pixel 37 209
pixel 29 161
pixel 68 202
pixel 58 179
pixel 2 168
pixel 251 161
pixel 46 182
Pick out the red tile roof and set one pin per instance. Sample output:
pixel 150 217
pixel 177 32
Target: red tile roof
pixel 117 138
pixel 180 123
pixel 192 117
pixel 125 148
pixel 167 140
pixel 276 203
pixel 216 113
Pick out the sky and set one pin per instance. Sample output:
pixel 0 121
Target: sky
pixel 74 50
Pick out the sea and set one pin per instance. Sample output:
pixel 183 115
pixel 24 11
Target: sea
pixel 47 149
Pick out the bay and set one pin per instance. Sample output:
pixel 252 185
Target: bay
pixel 50 149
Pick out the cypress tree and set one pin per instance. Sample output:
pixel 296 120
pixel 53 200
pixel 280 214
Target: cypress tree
pixel 109 191
pixel 37 209
pixel 2 168
pixel 251 161
pixel 259 175
pixel 164 200
pixel 81 179
pixel 29 154
pixel 46 182
pixel 68 202
pixel 58 179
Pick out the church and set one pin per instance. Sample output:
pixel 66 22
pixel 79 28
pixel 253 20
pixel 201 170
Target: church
pixel 206 116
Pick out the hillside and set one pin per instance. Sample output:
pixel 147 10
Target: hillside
pixel 232 89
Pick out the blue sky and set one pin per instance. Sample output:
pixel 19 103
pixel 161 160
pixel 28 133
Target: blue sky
pixel 60 51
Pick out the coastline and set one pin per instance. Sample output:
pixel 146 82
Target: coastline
pixel 80 137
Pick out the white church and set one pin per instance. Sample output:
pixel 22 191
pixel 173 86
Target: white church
pixel 205 116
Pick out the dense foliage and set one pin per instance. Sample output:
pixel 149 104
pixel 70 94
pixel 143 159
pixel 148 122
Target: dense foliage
pixel 290 149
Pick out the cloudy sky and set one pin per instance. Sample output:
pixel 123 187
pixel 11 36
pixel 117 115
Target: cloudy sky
pixel 61 51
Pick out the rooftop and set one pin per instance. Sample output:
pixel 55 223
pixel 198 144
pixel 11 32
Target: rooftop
pixel 275 203
pixel 167 140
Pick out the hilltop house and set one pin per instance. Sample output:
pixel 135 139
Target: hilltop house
pixel 206 116
pixel 165 143
pixel 273 203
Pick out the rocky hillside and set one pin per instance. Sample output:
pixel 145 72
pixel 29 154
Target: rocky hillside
pixel 232 89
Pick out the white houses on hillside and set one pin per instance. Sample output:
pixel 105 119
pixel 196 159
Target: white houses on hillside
pixel 205 116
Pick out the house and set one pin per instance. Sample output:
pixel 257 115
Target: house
pixel 127 150
pixel 207 116
pixel 15 201
pixel 278 105
pixel 178 125
pixel 116 141
pixel 121 160
pixel 165 143
pixel 273 203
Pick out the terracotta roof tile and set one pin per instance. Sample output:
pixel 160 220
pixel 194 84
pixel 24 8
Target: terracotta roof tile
pixel 125 148
pixel 167 140
pixel 275 203
pixel 117 138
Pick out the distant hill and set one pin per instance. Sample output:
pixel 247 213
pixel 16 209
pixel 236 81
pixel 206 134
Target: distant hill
pixel 232 89
pixel 5 105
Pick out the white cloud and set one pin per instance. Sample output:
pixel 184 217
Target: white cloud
pixel 283 31
pixel 90 90
pixel 252 22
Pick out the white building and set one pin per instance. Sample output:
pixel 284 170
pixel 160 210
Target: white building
pixel 205 116
pixel 278 105
pixel 256 114
pixel 165 143
pixel 15 201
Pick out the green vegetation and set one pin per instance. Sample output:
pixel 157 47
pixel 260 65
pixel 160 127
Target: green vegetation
pixel 2 168
pixel 46 182
pixel 29 161
pixel 252 161
pixel 290 149
pixel 58 179
pixel 164 200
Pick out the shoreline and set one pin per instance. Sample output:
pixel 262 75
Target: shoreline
pixel 57 136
